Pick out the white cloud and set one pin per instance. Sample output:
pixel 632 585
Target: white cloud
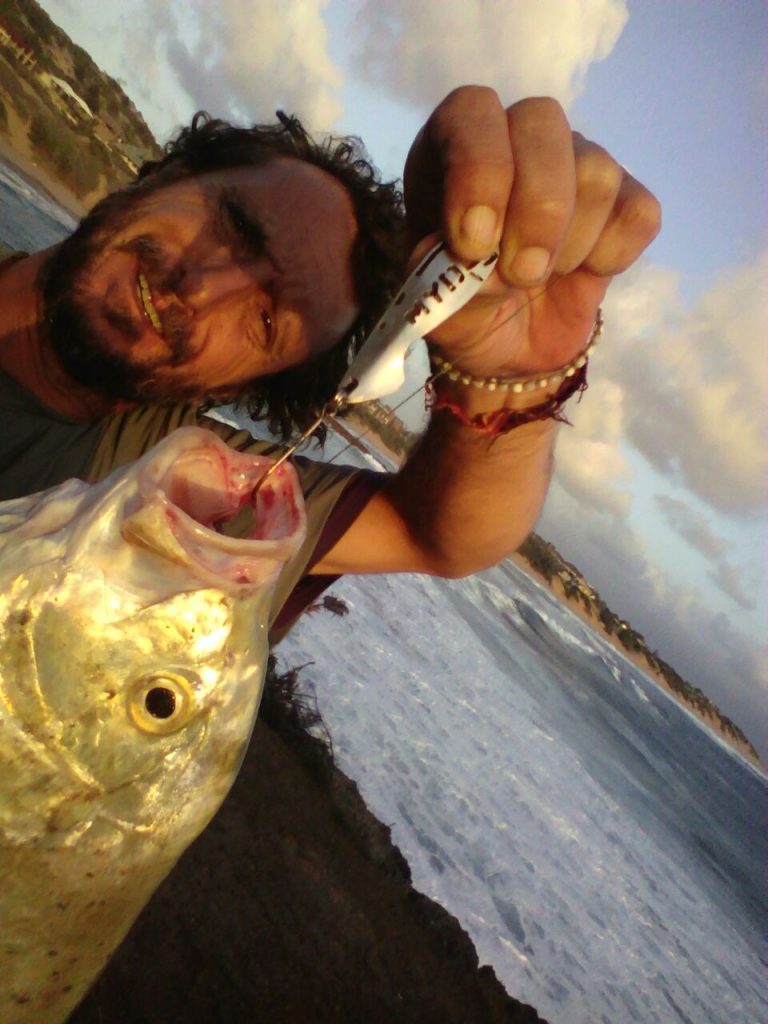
pixel 695 381
pixel 730 579
pixel 590 463
pixel 421 49
pixel 250 58
pixel 237 60
pixel 651 388
pixel 692 526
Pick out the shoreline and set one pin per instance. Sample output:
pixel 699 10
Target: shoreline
pixel 15 153
pixel 558 591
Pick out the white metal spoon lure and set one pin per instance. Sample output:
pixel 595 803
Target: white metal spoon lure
pixel 437 288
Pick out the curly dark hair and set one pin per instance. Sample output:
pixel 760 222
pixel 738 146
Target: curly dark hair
pixel 292 398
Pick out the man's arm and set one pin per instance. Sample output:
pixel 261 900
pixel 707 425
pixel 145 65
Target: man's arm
pixel 566 217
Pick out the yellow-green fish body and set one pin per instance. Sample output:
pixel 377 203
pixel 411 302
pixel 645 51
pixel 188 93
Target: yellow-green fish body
pixel 132 655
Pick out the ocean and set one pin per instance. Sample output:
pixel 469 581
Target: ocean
pixel 605 850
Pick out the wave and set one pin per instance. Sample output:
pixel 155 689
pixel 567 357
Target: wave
pixel 21 184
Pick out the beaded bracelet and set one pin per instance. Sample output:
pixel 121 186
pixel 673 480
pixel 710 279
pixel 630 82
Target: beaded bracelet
pixel 519 385
pixel 501 421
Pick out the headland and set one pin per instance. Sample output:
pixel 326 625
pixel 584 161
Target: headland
pixel 69 125
pixel 541 560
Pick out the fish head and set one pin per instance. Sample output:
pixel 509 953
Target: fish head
pixel 135 641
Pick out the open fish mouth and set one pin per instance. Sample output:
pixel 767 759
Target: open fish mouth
pixel 133 644
pixel 194 489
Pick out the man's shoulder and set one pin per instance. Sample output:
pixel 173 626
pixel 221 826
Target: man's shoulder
pixel 128 435
pixel 39 449
pixel 9 255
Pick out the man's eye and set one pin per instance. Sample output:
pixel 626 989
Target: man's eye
pixel 266 319
pixel 246 234
pixel 264 338
pixel 237 219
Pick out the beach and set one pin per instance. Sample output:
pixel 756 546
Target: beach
pixel 555 586
pixel 16 152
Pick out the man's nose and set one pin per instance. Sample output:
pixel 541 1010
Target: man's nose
pixel 218 279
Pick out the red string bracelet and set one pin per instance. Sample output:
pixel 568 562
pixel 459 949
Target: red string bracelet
pixel 501 421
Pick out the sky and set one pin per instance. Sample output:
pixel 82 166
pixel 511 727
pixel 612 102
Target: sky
pixel 660 489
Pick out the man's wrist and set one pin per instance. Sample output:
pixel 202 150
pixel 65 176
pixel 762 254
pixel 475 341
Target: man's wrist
pixel 544 381
pixel 496 404
pixel 509 416
pixel 482 400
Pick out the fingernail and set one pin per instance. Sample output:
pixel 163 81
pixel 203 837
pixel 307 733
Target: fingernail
pixel 531 264
pixel 478 226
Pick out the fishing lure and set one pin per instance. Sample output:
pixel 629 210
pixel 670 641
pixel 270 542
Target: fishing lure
pixel 439 287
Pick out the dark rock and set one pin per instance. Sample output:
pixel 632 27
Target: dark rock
pixel 294 906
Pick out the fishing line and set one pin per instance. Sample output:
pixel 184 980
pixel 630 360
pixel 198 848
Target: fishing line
pixel 429 380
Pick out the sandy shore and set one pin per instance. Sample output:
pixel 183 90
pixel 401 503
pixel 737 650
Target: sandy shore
pixel 637 658
pixel 18 153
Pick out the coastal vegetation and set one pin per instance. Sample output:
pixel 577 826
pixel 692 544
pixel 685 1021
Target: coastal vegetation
pixel 544 558
pixel 73 120
pixel 377 422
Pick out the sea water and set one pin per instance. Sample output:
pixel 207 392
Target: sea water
pixel 29 219
pixel 605 850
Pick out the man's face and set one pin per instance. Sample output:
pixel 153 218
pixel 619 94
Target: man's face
pixel 202 285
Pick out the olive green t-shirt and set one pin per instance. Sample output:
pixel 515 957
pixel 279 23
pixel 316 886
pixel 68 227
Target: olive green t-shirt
pixel 39 449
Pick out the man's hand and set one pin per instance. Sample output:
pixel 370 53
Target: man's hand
pixel 566 217
pixel 564 214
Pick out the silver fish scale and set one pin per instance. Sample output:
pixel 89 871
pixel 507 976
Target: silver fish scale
pixel 99 796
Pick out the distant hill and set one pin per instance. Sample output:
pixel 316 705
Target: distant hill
pixel 374 420
pixel 63 111
pixel 544 558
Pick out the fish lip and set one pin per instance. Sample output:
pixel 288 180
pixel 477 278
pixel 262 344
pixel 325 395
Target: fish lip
pixel 196 483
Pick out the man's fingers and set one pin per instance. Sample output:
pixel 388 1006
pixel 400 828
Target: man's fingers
pixel 459 172
pixel 541 203
pixel 521 181
pixel 634 222
pixel 598 183
pixel 615 217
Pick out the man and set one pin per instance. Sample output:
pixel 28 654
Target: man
pixel 235 268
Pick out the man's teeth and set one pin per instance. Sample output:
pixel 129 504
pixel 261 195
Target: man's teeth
pixel 146 301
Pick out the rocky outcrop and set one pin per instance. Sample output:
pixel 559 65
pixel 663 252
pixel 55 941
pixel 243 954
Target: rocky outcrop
pixel 294 907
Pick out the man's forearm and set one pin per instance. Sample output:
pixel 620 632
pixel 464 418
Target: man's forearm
pixel 565 217
pixel 462 503
pixel 470 500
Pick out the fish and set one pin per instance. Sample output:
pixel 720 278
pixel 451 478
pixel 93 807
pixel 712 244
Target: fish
pixel 133 649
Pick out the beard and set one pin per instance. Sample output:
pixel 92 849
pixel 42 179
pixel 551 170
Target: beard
pixel 70 317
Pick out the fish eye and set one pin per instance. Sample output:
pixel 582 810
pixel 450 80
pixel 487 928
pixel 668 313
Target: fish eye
pixel 161 702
